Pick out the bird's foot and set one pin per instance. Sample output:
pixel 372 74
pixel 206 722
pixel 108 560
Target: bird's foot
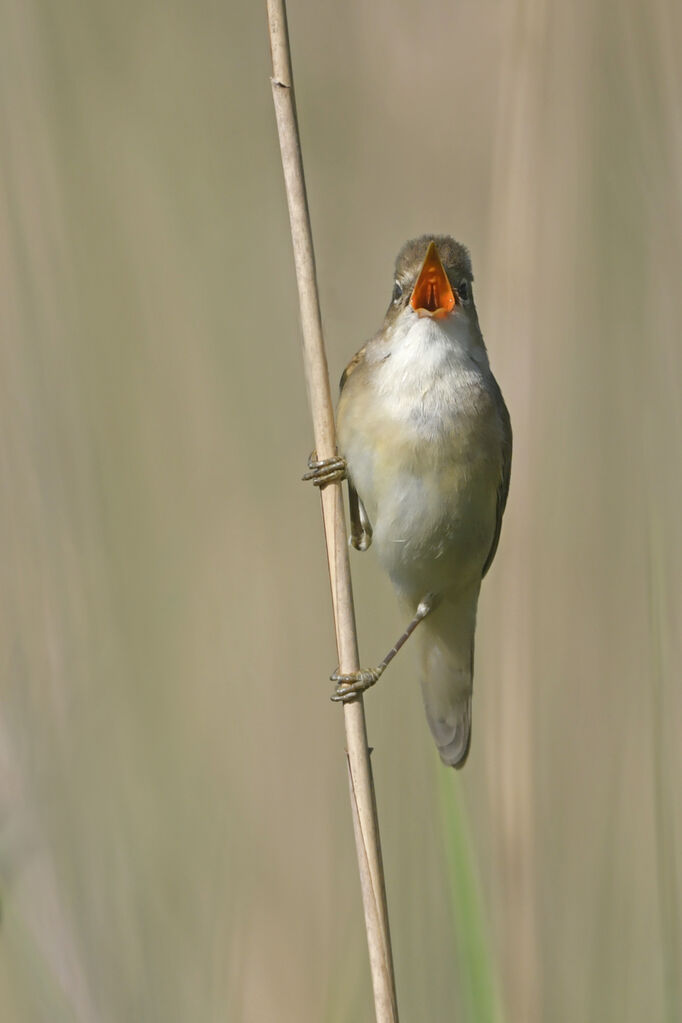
pixel 348 686
pixel 356 682
pixel 325 470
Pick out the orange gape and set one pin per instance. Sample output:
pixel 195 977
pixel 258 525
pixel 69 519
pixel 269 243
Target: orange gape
pixel 433 294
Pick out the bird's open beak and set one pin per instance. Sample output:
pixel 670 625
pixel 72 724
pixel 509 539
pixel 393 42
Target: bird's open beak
pixel 433 294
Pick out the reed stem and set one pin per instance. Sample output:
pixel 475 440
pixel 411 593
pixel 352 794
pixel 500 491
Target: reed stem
pixel 363 800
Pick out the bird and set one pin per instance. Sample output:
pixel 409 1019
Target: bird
pixel 425 442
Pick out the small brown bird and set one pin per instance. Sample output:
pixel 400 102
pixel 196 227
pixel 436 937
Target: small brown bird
pixel 425 440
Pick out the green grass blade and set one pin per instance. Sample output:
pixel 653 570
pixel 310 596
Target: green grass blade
pixel 475 962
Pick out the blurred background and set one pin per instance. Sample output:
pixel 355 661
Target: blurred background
pixel 175 834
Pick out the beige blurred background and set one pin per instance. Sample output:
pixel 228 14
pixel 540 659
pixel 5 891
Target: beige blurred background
pixel 175 838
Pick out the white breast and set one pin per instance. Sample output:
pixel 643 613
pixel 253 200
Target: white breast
pixel 428 377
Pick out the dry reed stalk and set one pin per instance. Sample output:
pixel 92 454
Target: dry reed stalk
pixel 363 802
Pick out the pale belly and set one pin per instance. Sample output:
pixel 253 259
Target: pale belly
pixel 429 485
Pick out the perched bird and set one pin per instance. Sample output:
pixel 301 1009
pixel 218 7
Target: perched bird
pixel 425 439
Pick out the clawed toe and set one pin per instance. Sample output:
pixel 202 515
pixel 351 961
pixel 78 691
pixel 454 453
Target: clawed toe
pixel 325 470
pixel 348 686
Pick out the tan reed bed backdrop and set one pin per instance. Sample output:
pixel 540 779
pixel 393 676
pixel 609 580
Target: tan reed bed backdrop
pixel 174 838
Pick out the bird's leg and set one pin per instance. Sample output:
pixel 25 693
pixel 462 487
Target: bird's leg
pixel 348 686
pixel 329 470
pixel 325 470
pixel 360 526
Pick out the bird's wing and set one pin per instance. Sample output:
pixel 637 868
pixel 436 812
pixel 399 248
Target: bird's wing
pixel 503 488
pixel 360 526
pixel 356 361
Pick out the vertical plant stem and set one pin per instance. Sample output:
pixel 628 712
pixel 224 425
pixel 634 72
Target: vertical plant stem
pixel 363 802
pixel 666 874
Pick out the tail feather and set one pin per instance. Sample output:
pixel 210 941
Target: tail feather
pixel 452 732
pixel 447 677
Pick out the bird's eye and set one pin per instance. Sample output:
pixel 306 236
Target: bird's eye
pixel 463 290
pixel 397 292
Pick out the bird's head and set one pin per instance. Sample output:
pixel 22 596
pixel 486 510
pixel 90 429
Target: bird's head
pixel 432 279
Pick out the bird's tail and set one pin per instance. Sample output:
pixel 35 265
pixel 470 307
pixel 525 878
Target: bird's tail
pixel 447 675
